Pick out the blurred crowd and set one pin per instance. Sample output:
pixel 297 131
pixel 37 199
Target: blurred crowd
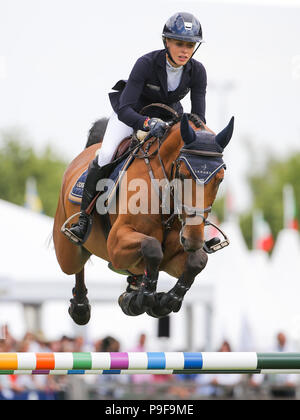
pixel 142 386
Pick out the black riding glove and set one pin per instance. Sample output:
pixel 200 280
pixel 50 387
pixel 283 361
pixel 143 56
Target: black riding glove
pixel 156 127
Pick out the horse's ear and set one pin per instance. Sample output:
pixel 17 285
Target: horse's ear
pixel 187 133
pixel 223 138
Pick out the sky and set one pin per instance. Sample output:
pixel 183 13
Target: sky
pixel 59 60
pixel 284 3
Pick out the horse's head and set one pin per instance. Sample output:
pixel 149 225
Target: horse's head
pixel 200 167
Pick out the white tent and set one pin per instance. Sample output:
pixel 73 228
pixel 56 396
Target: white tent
pixel 284 284
pixel 227 270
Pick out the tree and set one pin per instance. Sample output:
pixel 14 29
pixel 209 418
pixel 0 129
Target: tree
pixel 19 161
pixel 267 189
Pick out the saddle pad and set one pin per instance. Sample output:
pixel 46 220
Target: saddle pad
pixel 75 195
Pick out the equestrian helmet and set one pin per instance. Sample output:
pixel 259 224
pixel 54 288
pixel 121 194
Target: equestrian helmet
pixel 184 27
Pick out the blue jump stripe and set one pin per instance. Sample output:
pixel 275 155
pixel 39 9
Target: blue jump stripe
pixel 111 372
pixel 193 361
pixel 156 360
pixel 76 372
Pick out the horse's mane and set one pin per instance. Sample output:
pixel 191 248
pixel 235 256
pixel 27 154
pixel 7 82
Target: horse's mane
pixel 191 117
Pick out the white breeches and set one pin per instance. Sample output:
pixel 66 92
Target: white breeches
pixel 116 131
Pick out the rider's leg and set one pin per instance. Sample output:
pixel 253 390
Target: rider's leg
pixel 116 131
pixel 94 174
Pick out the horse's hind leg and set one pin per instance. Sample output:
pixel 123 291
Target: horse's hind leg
pixel 72 260
pixel 80 309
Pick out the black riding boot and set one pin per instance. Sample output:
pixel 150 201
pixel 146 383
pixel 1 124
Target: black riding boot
pixel 95 173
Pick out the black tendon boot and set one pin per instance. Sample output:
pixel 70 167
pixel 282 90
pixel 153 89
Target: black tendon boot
pixel 82 229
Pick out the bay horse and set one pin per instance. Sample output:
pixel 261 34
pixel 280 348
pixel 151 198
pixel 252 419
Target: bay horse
pixel 145 244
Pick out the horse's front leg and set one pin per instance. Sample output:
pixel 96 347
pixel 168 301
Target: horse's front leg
pixel 172 301
pixel 128 248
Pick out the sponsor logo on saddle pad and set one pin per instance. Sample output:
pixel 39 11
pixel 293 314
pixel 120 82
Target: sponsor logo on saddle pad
pixel 75 195
pixel 77 191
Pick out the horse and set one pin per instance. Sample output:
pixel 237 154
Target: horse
pixel 143 245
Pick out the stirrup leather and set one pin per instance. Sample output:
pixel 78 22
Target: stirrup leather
pixel 71 236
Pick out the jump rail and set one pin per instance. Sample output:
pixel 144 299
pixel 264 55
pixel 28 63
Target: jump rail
pixel 150 363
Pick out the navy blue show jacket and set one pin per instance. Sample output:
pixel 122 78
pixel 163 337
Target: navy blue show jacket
pixel 148 84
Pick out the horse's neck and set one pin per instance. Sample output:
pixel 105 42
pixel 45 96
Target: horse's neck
pixel 170 148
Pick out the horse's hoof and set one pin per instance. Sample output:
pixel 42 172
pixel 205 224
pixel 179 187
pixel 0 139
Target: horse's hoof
pixel 158 311
pixel 177 306
pixel 146 300
pixel 171 301
pixel 127 302
pixel 80 312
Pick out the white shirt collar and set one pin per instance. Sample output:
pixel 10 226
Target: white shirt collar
pixel 175 69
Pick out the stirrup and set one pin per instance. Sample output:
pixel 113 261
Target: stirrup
pixel 71 236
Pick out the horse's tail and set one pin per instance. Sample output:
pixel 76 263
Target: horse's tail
pixel 97 132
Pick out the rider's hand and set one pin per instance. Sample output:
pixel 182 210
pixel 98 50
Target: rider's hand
pixel 156 126
pixel 141 135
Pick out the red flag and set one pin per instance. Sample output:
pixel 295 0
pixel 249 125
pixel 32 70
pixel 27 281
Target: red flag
pixel 262 234
pixel 289 208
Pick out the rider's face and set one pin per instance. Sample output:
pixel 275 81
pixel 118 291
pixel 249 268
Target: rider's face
pixel 181 51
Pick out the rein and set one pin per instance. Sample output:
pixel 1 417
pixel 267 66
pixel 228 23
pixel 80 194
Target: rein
pixel 167 224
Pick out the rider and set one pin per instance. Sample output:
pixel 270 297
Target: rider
pixel 165 76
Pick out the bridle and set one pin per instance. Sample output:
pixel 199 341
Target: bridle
pixel 192 212
pixel 179 207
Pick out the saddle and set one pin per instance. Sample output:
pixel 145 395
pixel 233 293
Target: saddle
pixel 76 192
pixel 123 147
